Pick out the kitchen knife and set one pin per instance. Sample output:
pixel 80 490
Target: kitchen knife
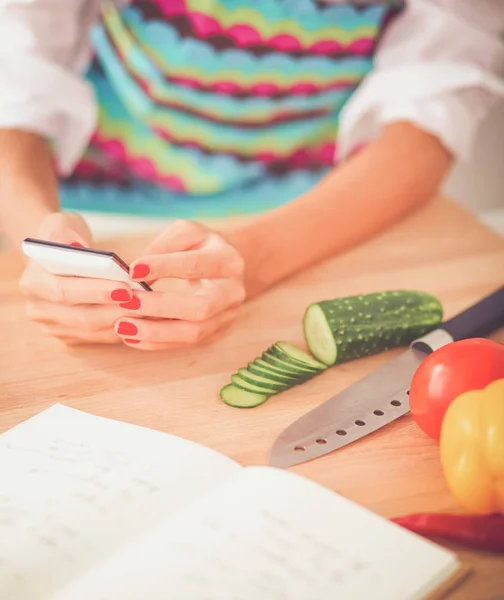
pixel 380 397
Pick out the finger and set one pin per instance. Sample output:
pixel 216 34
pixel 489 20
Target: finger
pixel 164 331
pixel 65 228
pixel 150 346
pixel 180 235
pixel 216 260
pixel 199 304
pixel 73 338
pixel 165 346
pixel 37 283
pixel 83 320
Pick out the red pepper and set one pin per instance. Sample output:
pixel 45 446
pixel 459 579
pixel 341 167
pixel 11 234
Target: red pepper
pixel 480 532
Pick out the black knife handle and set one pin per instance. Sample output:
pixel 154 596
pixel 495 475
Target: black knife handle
pixel 479 320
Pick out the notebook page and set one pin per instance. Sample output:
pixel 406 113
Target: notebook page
pixel 75 487
pixel 271 535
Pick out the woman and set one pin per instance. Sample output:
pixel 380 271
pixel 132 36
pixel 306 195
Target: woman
pixel 327 120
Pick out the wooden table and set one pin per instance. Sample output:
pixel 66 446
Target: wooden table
pixel 441 249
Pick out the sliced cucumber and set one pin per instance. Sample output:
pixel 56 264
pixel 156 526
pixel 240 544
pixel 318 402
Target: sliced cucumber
pixel 292 353
pixel 286 370
pixel 291 361
pixel 261 381
pixel 272 375
pixel 297 369
pixel 239 398
pixel 239 382
pixel 281 367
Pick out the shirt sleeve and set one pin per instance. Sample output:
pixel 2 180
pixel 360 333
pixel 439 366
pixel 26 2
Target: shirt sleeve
pixel 440 66
pixel 44 49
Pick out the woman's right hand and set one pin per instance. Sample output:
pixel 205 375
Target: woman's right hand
pixel 72 309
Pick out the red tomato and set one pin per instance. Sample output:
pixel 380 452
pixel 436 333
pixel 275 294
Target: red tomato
pixel 448 372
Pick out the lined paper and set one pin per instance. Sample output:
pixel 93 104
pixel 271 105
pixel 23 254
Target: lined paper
pixel 74 488
pixel 270 535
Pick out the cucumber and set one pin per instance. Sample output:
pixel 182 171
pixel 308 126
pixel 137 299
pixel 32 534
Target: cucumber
pixel 355 326
pixel 286 369
pixel 297 356
pixel 239 398
pixel 288 360
pixel 239 382
pixel 271 374
pixel 259 362
pixel 286 366
pixel 261 381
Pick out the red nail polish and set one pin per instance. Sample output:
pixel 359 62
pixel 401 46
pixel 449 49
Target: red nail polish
pixel 131 341
pixel 77 244
pixel 126 328
pixel 140 271
pixel 120 295
pixel 133 304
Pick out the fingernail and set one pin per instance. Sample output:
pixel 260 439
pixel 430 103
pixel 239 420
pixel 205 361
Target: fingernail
pixel 133 304
pixel 140 271
pixel 77 244
pixel 120 295
pixel 126 328
pixel 128 341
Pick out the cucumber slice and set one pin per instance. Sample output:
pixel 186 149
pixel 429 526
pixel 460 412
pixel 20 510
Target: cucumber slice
pixel 239 382
pixel 287 371
pixel 239 398
pixel 291 361
pixel 271 375
pixel 280 368
pixel 261 381
pixel 355 326
pixel 297 369
pixel 296 354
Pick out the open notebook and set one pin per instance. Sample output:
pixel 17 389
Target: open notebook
pixel 95 508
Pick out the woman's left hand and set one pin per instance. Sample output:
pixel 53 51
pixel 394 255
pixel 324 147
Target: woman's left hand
pixel 213 271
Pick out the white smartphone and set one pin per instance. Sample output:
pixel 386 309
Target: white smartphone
pixel 71 261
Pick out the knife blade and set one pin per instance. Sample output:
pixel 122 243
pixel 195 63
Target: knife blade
pixel 382 396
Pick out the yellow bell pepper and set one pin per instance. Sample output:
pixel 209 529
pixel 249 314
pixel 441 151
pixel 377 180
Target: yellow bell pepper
pixel 472 449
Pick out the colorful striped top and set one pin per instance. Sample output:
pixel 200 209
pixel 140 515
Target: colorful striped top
pixel 220 106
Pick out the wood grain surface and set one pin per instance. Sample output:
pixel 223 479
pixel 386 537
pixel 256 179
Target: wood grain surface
pixel 441 249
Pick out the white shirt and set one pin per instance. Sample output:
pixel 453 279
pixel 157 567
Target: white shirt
pixel 440 66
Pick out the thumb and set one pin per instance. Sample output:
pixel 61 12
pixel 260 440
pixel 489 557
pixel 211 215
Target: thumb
pixel 179 236
pixel 68 229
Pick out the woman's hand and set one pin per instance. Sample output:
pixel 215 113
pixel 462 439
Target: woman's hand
pixel 82 310
pixel 73 309
pixel 213 271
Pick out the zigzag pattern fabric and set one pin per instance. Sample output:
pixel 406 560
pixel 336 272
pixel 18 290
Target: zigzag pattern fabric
pixel 206 104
